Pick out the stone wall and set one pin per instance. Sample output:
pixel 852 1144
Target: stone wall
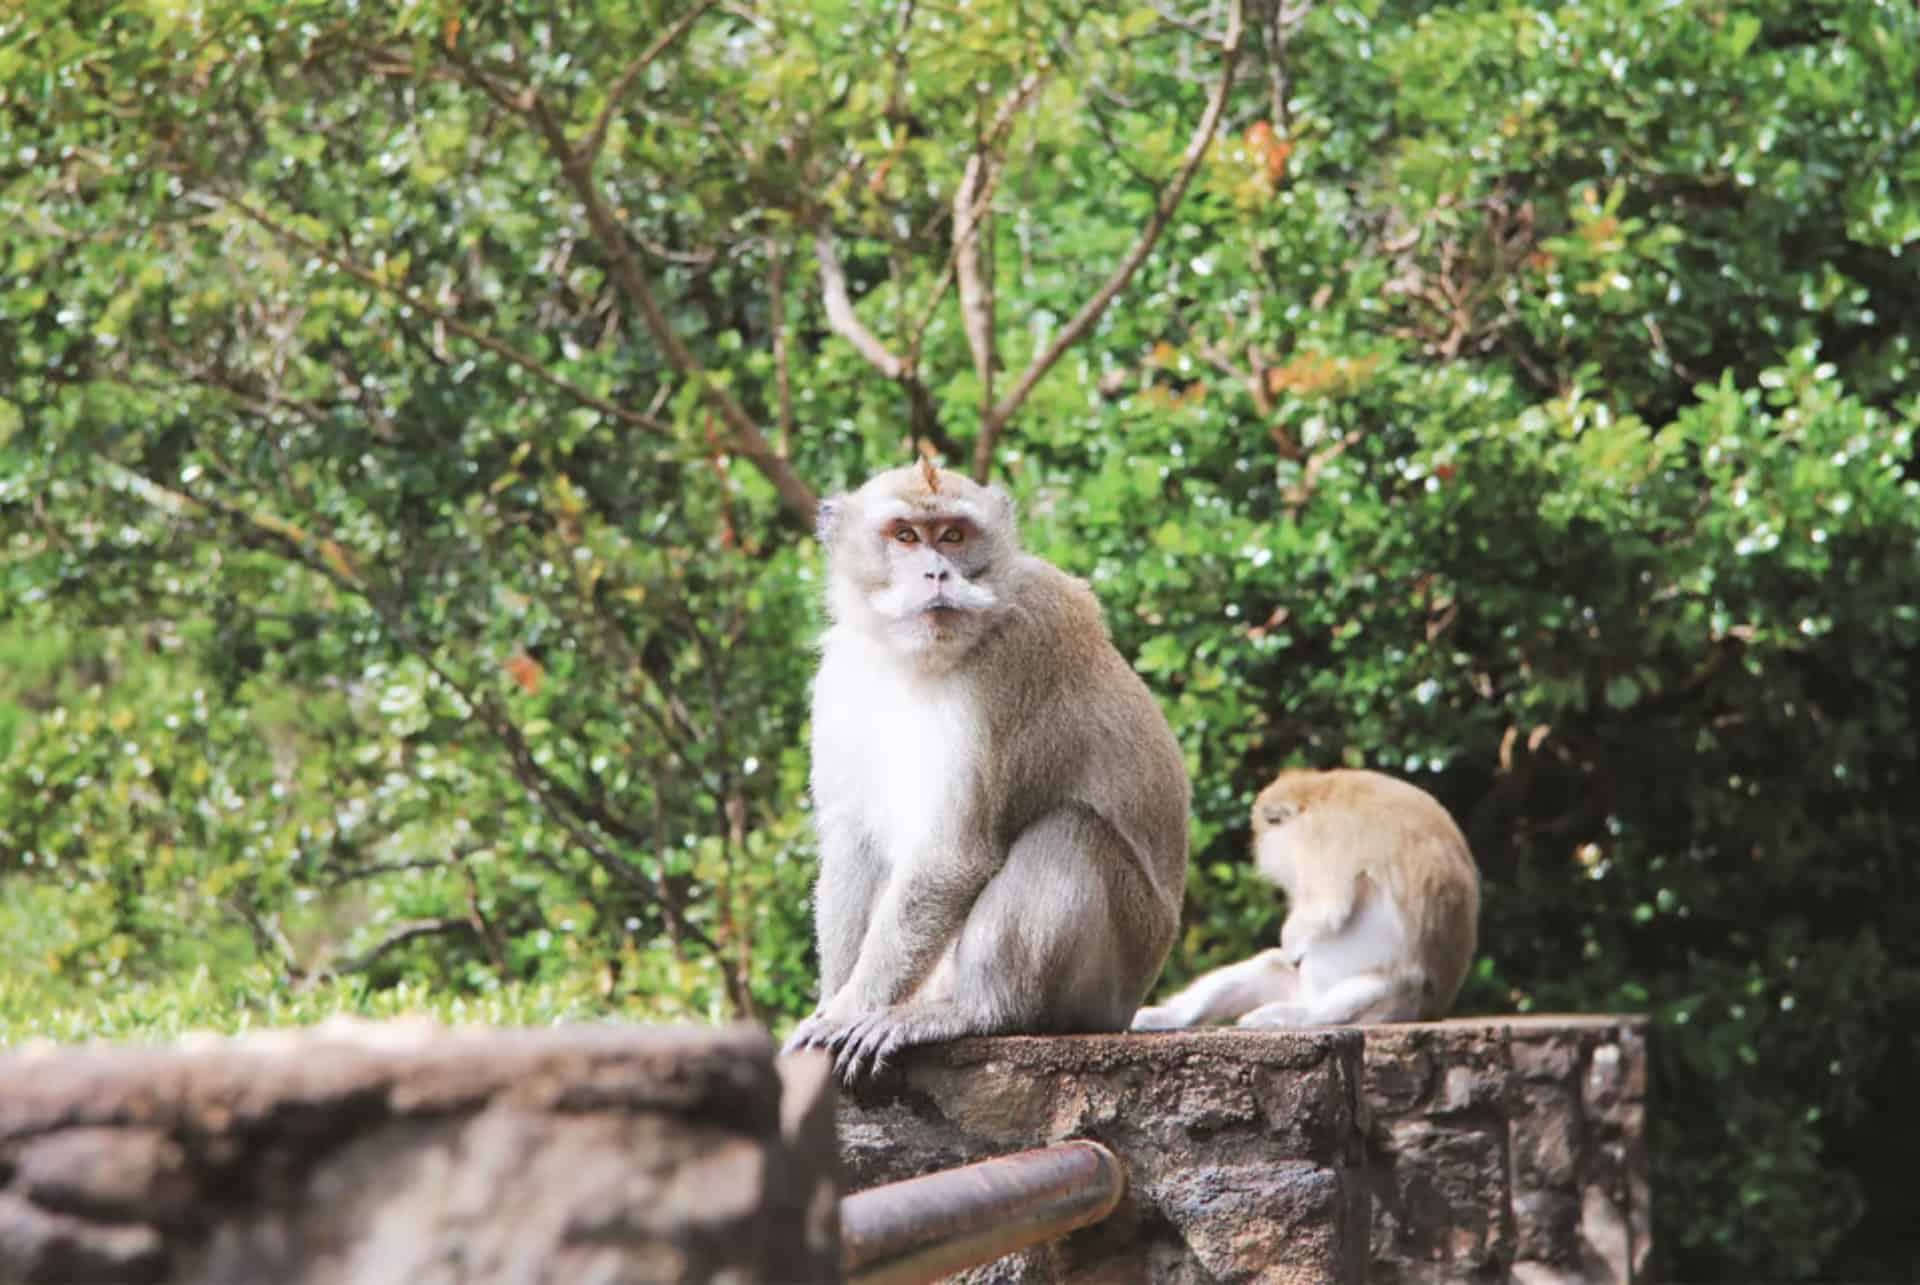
pixel 1481 1150
pixel 407 1152
pixel 1487 1150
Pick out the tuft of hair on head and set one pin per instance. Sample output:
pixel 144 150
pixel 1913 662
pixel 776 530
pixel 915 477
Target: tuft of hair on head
pixel 931 474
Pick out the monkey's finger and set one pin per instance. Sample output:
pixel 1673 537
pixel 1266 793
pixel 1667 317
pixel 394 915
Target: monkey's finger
pixel 846 1040
pixel 811 1031
pixel 863 1039
pixel 882 1039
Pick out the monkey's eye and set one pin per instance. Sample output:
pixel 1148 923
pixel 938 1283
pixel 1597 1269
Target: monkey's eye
pixel 906 535
pixel 952 535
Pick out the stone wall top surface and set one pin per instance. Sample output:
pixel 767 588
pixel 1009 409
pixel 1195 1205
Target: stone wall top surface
pixel 413 1067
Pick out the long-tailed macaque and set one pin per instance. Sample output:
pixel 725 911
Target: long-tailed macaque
pixel 1383 910
pixel 1001 807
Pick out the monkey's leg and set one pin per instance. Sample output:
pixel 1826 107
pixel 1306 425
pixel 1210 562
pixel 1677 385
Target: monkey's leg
pixel 1395 996
pixel 1062 938
pixel 1224 993
pixel 851 876
pixel 1363 997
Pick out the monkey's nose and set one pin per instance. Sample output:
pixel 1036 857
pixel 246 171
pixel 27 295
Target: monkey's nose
pixel 938 577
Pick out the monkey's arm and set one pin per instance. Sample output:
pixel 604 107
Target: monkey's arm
pixel 1315 913
pixel 915 918
pixel 851 875
pixel 1224 993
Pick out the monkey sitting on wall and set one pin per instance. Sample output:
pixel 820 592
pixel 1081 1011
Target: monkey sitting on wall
pixel 1383 910
pixel 1001 807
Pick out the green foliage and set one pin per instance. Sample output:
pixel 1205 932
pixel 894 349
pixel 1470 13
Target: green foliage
pixel 408 420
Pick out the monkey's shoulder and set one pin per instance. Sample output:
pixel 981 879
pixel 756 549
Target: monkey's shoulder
pixel 1057 592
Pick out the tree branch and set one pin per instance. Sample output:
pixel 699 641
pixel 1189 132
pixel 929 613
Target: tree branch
pixel 413 930
pixel 841 317
pixel 971 201
pixel 632 278
pixel 587 153
pixel 922 414
pixel 1169 200
pixel 505 352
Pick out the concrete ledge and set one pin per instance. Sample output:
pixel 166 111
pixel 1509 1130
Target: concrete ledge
pixel 404 1151
pixel 1503 1149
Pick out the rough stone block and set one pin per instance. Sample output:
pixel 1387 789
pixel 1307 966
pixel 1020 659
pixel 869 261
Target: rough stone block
pixel 374 1153
pixel 1242 1149
pixel 1505 1149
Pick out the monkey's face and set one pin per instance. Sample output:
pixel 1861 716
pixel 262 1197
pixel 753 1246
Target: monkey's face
pixel 913 564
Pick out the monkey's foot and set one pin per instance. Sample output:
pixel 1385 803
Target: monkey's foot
pixel 1158 1017
pixel 1282 1013
pixel 862 1045
pixel 811 1032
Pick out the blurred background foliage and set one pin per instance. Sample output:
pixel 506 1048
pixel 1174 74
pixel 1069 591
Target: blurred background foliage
pixel 410 415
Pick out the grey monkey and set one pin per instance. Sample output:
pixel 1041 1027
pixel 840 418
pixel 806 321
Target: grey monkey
pixel 1001 807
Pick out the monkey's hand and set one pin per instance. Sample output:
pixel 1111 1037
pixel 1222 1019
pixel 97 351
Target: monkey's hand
pixel 1308 926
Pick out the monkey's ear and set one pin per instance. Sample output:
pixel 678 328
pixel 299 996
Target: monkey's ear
pixel 826 516
pixel 1276 812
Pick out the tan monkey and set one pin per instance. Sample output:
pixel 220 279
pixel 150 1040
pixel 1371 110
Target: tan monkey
pixel 1383 910
pixel 1001 808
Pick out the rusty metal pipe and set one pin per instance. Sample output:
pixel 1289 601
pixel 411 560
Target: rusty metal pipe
pixel 928 1227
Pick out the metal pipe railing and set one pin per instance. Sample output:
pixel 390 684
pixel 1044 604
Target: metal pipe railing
pixel 925 1228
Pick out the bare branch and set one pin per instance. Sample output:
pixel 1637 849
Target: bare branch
pixel 1300 492
pixel 747 439
pixel 976 287
pixel 1254 380
pixel 971 201
pixel 499 349
pixel 588 152
pixel 843 319
pixel 1281 20
pixel 1169 200
pixel 268 938
pixel 413 930
pixel 379 868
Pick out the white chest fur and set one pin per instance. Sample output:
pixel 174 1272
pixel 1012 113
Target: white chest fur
pixel 895 751
pixel 1373 938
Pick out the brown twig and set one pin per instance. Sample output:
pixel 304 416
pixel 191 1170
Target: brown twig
pixel 1163 209
pixel 588 152
pixel 842 318
pixel 972 199
pixel 748 440
pixel 413 930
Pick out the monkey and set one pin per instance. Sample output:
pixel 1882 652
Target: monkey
pixel 1383 910
pixel 1000 806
